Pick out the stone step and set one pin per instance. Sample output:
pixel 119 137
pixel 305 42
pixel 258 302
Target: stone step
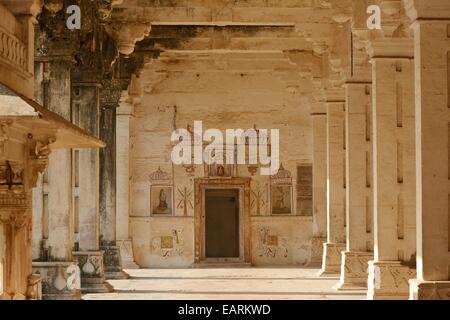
pixel 224 265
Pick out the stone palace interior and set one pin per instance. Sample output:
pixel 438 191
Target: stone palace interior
pixel 88 190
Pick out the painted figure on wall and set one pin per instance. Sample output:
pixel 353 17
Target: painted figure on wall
pixel 281 199
pixel 162 201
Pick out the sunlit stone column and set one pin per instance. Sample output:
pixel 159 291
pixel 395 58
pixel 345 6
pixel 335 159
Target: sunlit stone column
pixel 358 189
pixel 59 215
pixel 335 244
pixel 393 169
pixel 319 119
pixel 432 71
pixel 124 242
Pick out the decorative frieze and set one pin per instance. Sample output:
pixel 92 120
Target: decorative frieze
pixel 92 272
pixel 331 261
pixel 354 270
pixel 389 280
pixel 60 280
pixel 429 290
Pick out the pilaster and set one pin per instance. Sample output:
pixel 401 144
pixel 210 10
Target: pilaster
pixel 108 234
pixel 431 27
pixel 394 182
pixel 331 262
pixel 123 180
pixel 359 243
pixel 319 119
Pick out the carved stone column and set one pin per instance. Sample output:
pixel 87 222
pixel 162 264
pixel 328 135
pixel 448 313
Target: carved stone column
pixel 331 262
pixel 124 242
pixel 60 215
pixel 394 184
pixel 109 102
pixel 19 169
pixel 15 236
pixel 319 118
pixel 358 189
pixel 85 111
pixel 432 70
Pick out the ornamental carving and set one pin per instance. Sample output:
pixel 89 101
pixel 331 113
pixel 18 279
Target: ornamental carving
pixel 12 50
pixel 11 174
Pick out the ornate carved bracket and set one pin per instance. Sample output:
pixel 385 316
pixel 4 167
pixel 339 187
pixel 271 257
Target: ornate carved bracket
pixel 127 34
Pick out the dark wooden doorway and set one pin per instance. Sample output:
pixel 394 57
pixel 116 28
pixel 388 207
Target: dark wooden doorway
pixel 222 223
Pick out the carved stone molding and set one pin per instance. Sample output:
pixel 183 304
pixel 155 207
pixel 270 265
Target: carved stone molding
pixel 34 289
pixel 56 284
pixel 317 250
pixel 92 271
pixel 331 262
pixel 112 261
pixel 389 280
pixel 354 270
pixel 429 290
pixel 13 51
pixel 111 93
pixel 127 34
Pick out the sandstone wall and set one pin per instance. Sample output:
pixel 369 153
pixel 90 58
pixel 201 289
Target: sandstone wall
pixel 222 100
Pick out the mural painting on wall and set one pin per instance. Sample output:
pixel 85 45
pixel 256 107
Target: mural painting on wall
pixel 221 170
pixel 185 201
pixel 271 245
pixel 281 199
pixel 259 199
pixel 168 245
pixel 281 192
pixel 161 193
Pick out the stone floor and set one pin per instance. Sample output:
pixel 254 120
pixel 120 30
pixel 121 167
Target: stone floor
pixel 224 284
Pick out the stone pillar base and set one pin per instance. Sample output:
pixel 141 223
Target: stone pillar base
pixel 92 272
pixel 126 254
pixel 113 263
pixel 389 280
pixel 34 290
pixel 354 272
pixel 59 280
pixel 317 251
pixel 429 290
pixel 331 262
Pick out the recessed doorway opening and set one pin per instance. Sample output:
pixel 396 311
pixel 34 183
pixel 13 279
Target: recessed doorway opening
pixel 222 224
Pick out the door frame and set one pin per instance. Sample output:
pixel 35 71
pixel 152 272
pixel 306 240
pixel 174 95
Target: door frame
pixel 243 186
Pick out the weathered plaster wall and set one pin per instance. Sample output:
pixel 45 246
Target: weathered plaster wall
pixel 281 240
pixel 223 100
